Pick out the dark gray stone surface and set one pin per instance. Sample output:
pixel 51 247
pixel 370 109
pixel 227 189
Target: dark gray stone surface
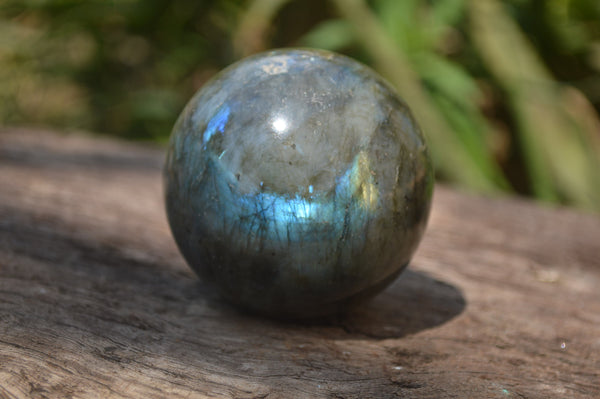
pixel 297 181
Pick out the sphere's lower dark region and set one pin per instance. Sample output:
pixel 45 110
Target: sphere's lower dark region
pixel 298 183
pixel 313 308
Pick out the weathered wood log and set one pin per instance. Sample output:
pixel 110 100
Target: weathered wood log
pixel 502 299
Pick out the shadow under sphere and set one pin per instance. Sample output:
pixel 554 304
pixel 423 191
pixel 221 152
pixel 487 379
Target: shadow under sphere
pixel 414 302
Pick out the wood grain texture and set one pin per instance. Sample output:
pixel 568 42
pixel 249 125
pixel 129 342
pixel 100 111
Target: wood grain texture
pixel 501 301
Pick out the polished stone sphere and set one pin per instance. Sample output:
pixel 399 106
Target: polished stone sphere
pixel 297 182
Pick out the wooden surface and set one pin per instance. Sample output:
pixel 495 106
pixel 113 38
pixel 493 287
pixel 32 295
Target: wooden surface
pixel 501 301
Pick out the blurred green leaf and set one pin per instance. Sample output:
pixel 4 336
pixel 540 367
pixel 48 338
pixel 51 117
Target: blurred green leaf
pixel 468 127
pixel 447 77
pixel 448 12
pixel 398 18
pixel 555 145
pixel 333 35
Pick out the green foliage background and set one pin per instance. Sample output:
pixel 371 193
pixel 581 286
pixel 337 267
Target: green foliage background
pixel 507 91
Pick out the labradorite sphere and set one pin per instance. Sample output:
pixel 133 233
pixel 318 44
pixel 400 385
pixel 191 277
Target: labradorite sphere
pixel 297 182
